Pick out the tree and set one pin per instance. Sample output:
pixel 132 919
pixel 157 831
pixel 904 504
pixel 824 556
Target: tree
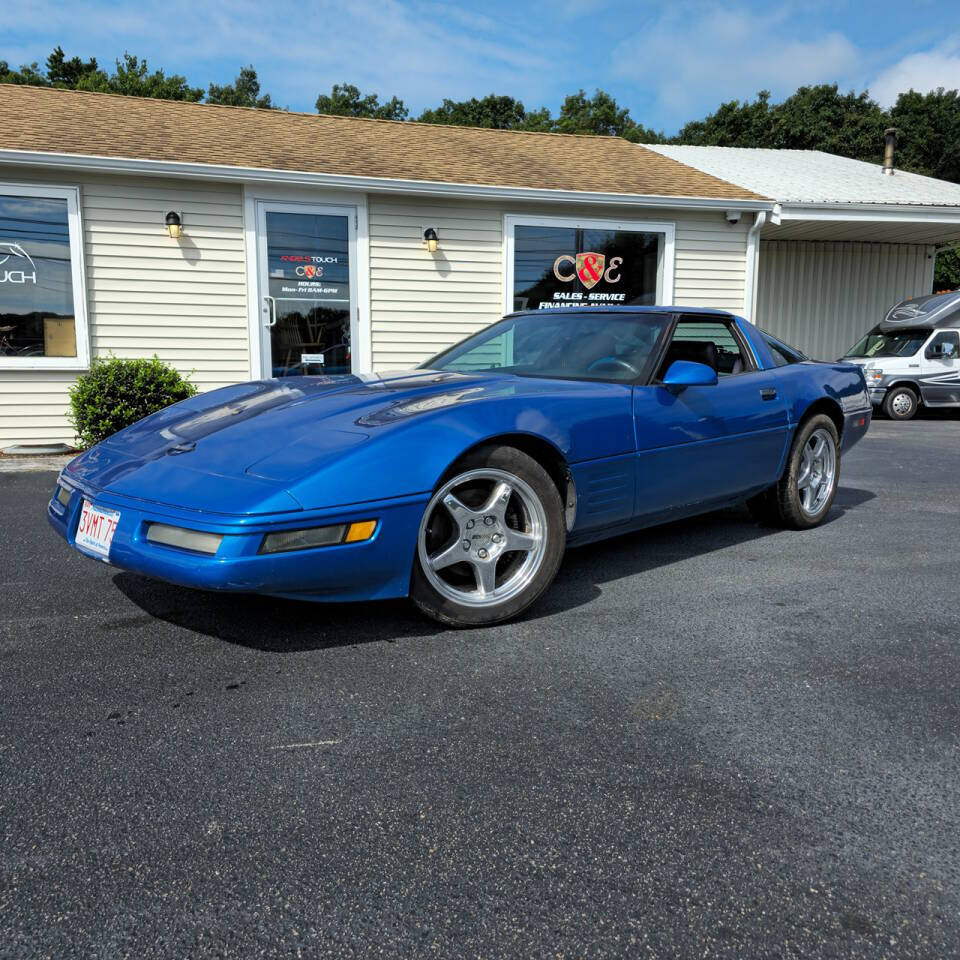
pixel 601 115
pixel 492 111
pixel 734 124
pixel 822 118
pixel 62 72
pixel 132 78
pixel 345 100
pixel 27 75
pixel 243 92
pixel 928 133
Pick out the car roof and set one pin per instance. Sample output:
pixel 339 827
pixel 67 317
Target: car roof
pixel 587 308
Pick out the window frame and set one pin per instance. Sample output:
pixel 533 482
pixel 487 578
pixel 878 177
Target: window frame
pixel 77 274
pixel 665 269
pixel 945 334
pixel 751 361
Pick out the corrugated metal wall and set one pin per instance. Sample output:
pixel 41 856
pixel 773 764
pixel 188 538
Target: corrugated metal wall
pixel 822 297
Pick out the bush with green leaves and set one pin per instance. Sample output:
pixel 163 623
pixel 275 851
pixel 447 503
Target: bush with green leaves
pixel 117 392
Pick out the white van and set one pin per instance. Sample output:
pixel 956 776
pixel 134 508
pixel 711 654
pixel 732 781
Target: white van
pixel 913 356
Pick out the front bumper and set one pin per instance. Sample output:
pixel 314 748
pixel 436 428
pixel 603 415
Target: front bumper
pixel 378 568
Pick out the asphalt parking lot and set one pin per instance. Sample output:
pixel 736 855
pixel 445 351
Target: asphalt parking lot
pixel 711 739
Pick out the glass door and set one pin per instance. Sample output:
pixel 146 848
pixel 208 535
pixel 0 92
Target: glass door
pixel 307 257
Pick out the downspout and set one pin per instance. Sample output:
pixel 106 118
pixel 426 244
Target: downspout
pixel 753 255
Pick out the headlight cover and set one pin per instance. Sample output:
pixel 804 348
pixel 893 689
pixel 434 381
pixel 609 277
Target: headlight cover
pixel 197 541
pixel 285 541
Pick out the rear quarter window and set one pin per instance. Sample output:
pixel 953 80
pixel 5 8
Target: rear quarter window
pixel 782 354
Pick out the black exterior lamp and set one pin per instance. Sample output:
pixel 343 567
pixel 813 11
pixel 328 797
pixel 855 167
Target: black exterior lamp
pixel 174 224
pixel 431 239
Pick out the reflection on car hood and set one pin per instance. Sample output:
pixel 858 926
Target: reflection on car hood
pixel 257 435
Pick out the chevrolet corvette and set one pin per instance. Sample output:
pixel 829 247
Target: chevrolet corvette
pixel 461 483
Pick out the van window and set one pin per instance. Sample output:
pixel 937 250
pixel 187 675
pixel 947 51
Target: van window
pixel 901 343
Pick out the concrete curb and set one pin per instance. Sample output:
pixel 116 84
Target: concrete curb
pixel 22 464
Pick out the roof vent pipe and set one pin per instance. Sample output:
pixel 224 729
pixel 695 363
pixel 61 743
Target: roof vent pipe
pixel 889 142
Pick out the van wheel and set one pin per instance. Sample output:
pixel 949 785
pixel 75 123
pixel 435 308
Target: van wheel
pixel 900 403
pixel 804 494
pixel 491 539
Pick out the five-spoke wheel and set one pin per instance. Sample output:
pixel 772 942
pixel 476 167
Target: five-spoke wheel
pixel 818 466
pixel 802 497
pixel 490 540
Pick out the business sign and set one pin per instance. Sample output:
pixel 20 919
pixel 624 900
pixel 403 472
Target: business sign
pixel 16 265
pixel 557 266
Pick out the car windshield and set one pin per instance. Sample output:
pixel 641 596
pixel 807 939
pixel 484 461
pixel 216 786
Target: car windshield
pixel 902 343
pixel 590 346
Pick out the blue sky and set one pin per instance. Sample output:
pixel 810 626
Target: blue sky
pixel 668 62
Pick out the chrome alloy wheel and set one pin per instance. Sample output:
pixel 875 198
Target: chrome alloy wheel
pixel 902 403
pixel 817 473
pixel 482 538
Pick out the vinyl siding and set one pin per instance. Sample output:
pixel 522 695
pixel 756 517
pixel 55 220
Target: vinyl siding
pixel 822 297
pixel 421 304
pixel 146 293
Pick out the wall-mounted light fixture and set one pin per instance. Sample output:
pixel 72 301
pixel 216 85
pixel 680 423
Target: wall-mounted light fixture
pixel 431 239
pixel 174 224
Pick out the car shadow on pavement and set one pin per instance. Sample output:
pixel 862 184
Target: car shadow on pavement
pixel 289 626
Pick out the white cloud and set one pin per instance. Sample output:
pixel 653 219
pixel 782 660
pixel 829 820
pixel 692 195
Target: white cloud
pixel 694 55
pixel 419 50
pixel 923 72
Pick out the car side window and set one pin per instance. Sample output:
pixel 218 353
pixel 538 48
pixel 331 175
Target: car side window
pixel 782 354
pixel 708 341
pixel 945 346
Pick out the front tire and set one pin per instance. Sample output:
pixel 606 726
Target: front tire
pixel 491 540
pixel 901 403
pixel 802 498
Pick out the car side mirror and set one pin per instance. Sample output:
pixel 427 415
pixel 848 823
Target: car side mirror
pixel 686 373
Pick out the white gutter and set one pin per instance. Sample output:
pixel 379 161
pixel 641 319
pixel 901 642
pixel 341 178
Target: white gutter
pixel 872 212
pixel 165 168
pixel 753 256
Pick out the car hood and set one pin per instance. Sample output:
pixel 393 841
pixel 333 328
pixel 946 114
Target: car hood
pixel 236 450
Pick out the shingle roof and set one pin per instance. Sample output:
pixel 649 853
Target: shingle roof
pixel 104 125
pixel 811 176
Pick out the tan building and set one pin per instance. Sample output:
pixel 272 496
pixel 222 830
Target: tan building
pixel 302 241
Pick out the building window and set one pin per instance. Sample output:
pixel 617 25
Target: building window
pixel 554 263
pixel 42 300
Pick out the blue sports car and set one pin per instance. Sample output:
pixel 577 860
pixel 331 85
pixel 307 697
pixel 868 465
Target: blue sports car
pixel 461 483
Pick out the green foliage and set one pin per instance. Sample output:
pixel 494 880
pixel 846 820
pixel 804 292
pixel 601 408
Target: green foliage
pixel 599 114
pixel 813 118
pixel 133 78
pixel 28 75
pixel 602 116
pixel 243 92
pixel 946 273
pixel 62 72
pixel 928 133
pixel 492 111
pixel 345 100
pixel 117 392
pixel 734 124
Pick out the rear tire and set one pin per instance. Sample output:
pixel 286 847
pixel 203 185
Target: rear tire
pixel 901 403
pixel 491 539
pixel 802 498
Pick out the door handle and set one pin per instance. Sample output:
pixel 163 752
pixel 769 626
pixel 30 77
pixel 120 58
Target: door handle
pixel 271 309
pixel 768 393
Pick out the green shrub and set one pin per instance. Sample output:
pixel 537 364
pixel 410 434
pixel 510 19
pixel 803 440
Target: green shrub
pixel 117 392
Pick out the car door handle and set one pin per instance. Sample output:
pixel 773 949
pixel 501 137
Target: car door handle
pixel 768 393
